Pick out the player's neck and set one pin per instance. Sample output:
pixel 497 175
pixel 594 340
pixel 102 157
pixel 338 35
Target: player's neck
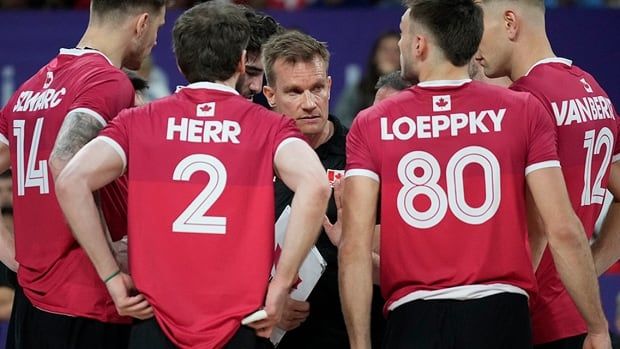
pixel 528 53
pixel 316 140
pixel 443 71
pixel 230 82
pixel 106 42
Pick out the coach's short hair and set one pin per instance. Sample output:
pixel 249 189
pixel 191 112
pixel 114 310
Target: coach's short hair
pixel 292 46
pixel 209 39
pixel 455 24
pixel 393 80
pixel 103 7
pixel 262 27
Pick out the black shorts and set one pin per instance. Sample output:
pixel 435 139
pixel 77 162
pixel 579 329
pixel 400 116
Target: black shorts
pixel 148 335
pixel 575 342
pixel 498 321
pixel 34 328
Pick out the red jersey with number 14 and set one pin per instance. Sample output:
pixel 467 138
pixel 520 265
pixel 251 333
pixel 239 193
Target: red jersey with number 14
pixel 54 271
pixel 201 207
pixel 451 158
pixel 587 144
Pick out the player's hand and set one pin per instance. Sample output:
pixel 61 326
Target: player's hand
pixel 126 299
pixel 334 231
pixel 597 341
pixel 295 313
pixel 275 303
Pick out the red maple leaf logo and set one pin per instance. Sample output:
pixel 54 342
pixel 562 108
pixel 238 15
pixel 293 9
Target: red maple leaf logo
pixel 205 108
pixel 276 259
pixel 441 103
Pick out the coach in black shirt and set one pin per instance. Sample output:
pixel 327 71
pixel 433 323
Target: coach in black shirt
pixel 299 87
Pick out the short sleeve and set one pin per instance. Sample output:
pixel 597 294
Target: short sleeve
pixel 116 135
pixel 359 156
pixel 542 138
pixel 616 156
pixel 286 132
pixel 104 95
pixel 4 137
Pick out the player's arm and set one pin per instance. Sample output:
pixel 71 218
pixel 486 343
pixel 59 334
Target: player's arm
pixel 355 261
pixel 569 246
pixel 7 239
pixel 606 248
pixel 300 169
pixel 536 231
pixel 94 166
pixel 77 129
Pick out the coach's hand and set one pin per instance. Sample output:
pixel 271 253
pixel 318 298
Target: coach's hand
pixel 597 341
pixel 274 306
pixel 128 302
pixel 295 313
pixel 334 231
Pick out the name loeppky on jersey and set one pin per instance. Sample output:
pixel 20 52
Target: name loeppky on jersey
pixel 405 127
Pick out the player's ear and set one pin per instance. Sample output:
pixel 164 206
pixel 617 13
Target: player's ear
pixel 511 24
pixel 420 47
pixel 242 62
pixel 142 23
pixel 270 94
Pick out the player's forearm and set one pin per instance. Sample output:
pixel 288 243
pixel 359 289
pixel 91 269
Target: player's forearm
pixel 307 211
pixel 78 205
pixel 606 248
pixel 7 248
pixel 573 260
pixel 376 271
pixel 355 283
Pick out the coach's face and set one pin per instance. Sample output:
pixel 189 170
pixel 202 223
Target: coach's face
pixel 495 48
pixel 301 91
pixel 145 38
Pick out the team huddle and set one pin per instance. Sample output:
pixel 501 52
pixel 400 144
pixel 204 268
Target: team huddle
pixel 462 220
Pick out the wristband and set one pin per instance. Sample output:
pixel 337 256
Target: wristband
pixel 105 281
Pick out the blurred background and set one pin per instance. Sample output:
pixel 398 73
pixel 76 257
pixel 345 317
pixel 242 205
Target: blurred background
pixel 362 37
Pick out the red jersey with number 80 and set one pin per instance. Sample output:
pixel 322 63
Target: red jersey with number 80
pixel 201 233
pixel 587 144
pixel 451 158
pixel 54 271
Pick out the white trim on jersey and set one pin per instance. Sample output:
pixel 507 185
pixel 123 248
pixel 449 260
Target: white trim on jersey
pixel 285 142
pixel 90 112
pixel 461 293
pixel 209 86
pixel 117 148
pixel 4 139
pixel 568 62
pixel 83 51
pixel 615 158
pixel 540 165
pixel 362 172
pixel 444 83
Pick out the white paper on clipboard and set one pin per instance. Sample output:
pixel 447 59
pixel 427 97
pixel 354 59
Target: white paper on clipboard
pixel 309 273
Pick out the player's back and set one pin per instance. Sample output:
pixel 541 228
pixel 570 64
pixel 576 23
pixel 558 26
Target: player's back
pixel 200 167
pixel 452 157
pixel 587 144
pixel 54 272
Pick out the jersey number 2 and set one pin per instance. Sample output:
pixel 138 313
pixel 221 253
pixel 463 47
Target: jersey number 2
pixel 31 176
pixel 594 193
pixel 193 219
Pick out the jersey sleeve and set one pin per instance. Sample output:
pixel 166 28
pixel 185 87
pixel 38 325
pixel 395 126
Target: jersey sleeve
pixel 616 155
pixel 286 132
pixel 116 135
pixel 542 138
pixel 4 137
pixel 359 157
pixel 104 95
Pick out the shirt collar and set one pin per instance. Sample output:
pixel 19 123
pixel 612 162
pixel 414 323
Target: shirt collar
pixel 209 86
pixel 565 61
pixel 444 83
pixel 83 51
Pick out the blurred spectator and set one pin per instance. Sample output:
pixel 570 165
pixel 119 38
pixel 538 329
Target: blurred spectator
pixel 156 78
pixel 6 189
pixel 384 59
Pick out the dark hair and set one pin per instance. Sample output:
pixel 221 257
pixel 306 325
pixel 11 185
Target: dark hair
pixel 262 28
pixel 139 84
pixel 6 174
pixel 394 81
pixel 102 7
pixel 366 88
pixel 293 46
pixel 455 24
pixel 209 39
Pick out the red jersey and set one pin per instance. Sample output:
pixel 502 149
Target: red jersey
pixel 201 207
pixel 586 129
pixel 451 158
pixel 54 271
